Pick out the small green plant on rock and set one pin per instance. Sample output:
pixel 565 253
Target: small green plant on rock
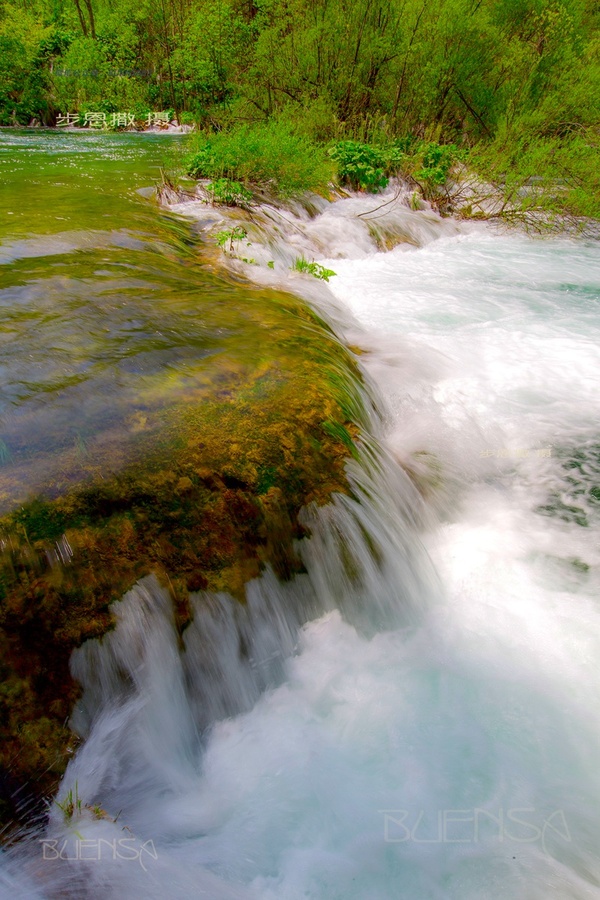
pixel 312 268
pixel 71 806
pixel 230 236
pixel 229 241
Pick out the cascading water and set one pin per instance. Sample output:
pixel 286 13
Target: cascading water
pixel 423 736
pixel 151 708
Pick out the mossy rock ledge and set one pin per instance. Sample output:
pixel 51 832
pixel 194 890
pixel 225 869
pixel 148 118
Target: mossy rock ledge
pixel 209 495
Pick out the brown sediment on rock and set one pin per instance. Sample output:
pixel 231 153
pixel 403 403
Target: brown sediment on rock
pixel 212 496
pixel 388 235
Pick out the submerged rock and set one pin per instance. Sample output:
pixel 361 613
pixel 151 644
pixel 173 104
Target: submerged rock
pixel 207 493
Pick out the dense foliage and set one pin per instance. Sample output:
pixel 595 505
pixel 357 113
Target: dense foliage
pixel 517 81
pixel 267 154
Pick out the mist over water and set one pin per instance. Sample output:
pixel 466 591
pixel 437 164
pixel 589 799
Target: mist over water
pixel 432 731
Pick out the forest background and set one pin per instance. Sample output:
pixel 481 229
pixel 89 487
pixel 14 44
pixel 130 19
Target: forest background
pixel 512 86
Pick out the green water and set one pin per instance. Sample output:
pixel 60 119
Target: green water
pixel 109 312
pixel 61 184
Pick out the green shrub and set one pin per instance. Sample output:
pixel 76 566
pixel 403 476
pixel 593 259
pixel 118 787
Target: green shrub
pixel 224 192
pixel 427 163
pixel 437 160
pixel 368 166
pixel 362 166
pixel 270 156
pixel 188 118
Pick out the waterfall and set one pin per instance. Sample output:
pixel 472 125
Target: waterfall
pixel 152 698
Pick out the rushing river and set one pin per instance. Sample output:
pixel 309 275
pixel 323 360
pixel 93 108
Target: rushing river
pixel 452 755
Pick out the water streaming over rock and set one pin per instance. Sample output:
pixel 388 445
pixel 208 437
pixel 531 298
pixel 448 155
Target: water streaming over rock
pixel 372 729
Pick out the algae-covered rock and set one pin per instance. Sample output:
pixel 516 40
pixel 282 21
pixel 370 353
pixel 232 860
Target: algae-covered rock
pixel 202 488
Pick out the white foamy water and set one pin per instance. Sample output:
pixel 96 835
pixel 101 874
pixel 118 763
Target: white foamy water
pixel 429 737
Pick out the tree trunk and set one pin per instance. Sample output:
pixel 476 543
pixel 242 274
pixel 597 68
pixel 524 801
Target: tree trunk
pixel 81 19
pixel 88 3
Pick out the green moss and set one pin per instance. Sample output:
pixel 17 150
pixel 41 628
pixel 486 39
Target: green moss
pixel 209 497
pixel 576 497
pixel 340 433
pixel 578 564
pixel 39 521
